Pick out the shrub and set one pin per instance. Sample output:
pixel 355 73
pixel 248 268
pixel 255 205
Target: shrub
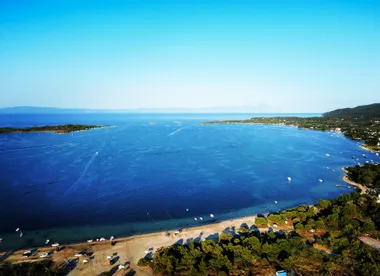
pixel 261 222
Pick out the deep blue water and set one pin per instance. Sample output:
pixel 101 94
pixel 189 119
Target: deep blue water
pixel 139 177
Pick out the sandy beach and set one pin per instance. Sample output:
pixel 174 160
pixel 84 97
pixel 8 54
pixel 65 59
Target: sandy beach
pixel 129 250
pixel 345 179
pixel 368 149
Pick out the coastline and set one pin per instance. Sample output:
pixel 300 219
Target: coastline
pixel 347 180
pixel 60 130
pixel 368 149
pixel 131 249
pixel 135 247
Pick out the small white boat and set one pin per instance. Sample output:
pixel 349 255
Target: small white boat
pixel 147 252
pixel 275 201
pixel 112 238
pixel 187 209
pixel 85 261
pixel 195 219
pixel 28 252
pixel 44 255
pixel 21 234
pixel 109 257
pixel 377 154
pixel 176 232
pixel 327 155
pixel 289 178
pixel 55 244
pixel 89 240
pixel 102 239
pixel 1 239
pixel 211 215
pixel 121 266
pixel 78 255
pixel 320 180
pixel 17 229
pixel 47 241
pixel 200 218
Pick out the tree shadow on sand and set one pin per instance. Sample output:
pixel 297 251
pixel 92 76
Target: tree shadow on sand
pixel 213 237
pixel 244 225
pixel 230 230
pixel 199 238
pixel 179 242
pixel 254 228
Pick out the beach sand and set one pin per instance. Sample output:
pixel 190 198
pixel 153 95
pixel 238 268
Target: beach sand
pixel 133 248
pixel 345 179
pixel 368 149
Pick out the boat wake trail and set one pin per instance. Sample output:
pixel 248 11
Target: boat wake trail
pixel 75 185
pixel 176 131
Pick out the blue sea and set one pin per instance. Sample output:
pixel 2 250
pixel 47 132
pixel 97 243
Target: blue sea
pixel 138 177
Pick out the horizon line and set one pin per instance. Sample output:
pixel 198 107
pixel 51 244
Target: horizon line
pixel 157 109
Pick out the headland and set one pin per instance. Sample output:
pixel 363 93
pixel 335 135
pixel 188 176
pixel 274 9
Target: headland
pixel 56 129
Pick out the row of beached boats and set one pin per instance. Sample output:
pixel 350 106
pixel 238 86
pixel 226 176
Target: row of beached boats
pixel 100 239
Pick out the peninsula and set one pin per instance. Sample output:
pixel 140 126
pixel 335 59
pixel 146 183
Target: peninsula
pixel 56 129
pixel 359 123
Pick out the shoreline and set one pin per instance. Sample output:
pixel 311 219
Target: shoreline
pixel 347 180
pixel 51 129
pixel 133 248
pixel 247 122
pixel 363 146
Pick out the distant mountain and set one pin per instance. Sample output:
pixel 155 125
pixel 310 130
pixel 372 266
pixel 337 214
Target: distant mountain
pixel 371 110
pixel 52 110
pixel 39 110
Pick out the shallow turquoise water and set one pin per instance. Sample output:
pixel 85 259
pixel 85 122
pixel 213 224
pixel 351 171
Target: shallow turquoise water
pixel 138 177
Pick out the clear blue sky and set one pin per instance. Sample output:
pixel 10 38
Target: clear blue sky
pixel 295 56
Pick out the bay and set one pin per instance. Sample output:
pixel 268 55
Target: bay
pixel 142 174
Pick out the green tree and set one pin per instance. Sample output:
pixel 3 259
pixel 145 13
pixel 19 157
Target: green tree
pixel 323 204
pixel 299 227
pixel 261 222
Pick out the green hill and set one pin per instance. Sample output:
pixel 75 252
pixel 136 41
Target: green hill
pixel 371 110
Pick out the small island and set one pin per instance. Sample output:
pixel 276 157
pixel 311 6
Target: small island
pixel 359 123
pixel 56 129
